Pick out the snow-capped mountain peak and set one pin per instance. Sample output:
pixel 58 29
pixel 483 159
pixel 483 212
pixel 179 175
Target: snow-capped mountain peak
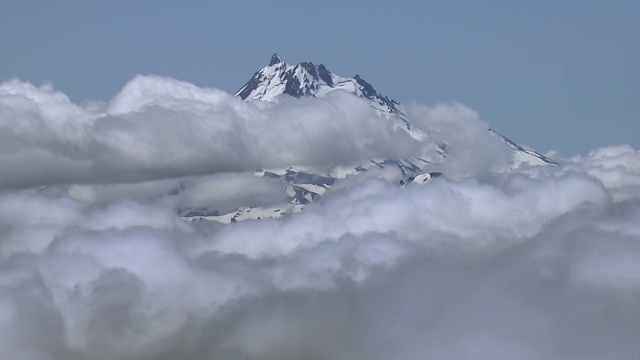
pixel 307 79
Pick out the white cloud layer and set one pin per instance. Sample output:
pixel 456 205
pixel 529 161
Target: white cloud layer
pixel 539 263
pixel 158 127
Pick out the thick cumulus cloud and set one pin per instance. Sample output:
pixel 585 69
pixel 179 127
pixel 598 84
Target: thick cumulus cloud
pixel 158 127
pixel 537 263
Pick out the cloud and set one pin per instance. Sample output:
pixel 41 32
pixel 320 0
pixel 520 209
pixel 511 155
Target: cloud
pixel 157 128
pixel 618 167
pixel 96 263
pixel 476 216
pixel 221 193
pixel 473 151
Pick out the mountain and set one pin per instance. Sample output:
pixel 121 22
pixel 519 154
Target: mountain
pixel 303 186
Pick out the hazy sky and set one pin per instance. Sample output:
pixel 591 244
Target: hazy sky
pixel 557 75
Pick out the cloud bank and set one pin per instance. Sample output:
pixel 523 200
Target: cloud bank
pixel 96 262
pixel 157 128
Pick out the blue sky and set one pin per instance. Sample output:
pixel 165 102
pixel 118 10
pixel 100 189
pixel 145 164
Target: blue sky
pixel 559 75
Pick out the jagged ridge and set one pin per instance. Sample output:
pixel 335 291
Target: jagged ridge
pixel 307 79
